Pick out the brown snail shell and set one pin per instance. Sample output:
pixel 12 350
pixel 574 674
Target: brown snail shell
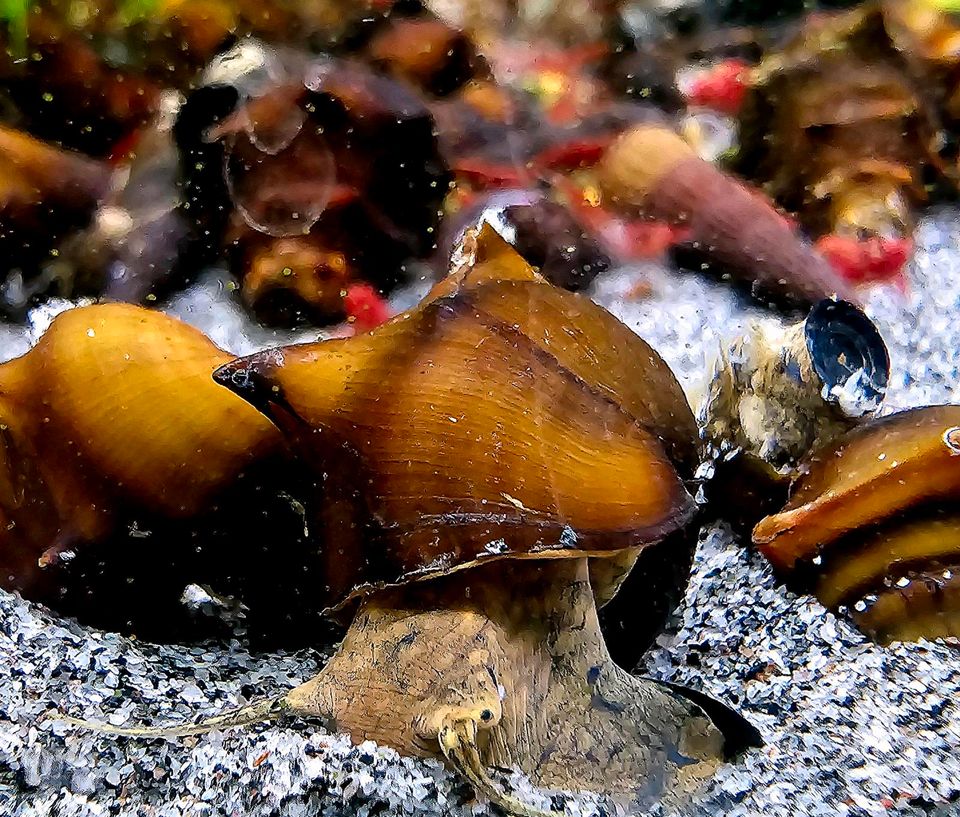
pixel 113 407
pixel 447 481
pixel 872 521
pixel 650 171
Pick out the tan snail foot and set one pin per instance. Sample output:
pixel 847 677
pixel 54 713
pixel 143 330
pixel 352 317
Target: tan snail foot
pixel 502 668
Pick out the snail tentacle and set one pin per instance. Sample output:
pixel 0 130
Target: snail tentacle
pixel 257 712
pixel 458 740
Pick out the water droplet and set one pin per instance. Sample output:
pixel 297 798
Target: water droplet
pixel 951 439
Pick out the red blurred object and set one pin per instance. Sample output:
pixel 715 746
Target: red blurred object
pixel 722 87
pixel 365 307
pixel 627 239
pixel 483 174
pixel 573 155
pixel 869 260
pixel 125 148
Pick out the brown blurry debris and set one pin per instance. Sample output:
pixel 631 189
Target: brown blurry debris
pixel 568 22
pixel 38 171
pixel 45 192
pixel 138 244
pixel 640 290
pixel 844 128
pixel 427 52
pixel 872 526
pixel 652 172
pixel 489 100
pixel 929 40
pixel 69 93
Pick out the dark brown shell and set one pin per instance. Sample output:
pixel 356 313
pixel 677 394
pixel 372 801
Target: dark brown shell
pixel 45 192
pixel 329 175
pixel 874 524
pixel 505 419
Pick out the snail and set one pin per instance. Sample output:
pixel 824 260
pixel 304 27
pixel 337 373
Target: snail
pixel 650 171
pixel 871 525
pixel 529 450
pixel 126 473
pixel 841 128
pixel 778 393
pixel 314 172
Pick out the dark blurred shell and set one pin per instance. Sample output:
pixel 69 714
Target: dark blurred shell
pixel 839 107
pixel 505 420
pixel 45 192
pixel 873 525
pixel 542 231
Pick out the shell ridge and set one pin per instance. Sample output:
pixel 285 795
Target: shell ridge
pixel 497 325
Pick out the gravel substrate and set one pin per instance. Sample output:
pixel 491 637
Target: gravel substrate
pixel 850 728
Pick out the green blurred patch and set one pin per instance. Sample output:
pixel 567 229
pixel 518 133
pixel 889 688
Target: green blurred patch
pixel 13 17
pixel 14 14
pixel 946 5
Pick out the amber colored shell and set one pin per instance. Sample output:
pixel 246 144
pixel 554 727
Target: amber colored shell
pixel 874 522
pixel 505 419
pixel 115 405
pixel 43 168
